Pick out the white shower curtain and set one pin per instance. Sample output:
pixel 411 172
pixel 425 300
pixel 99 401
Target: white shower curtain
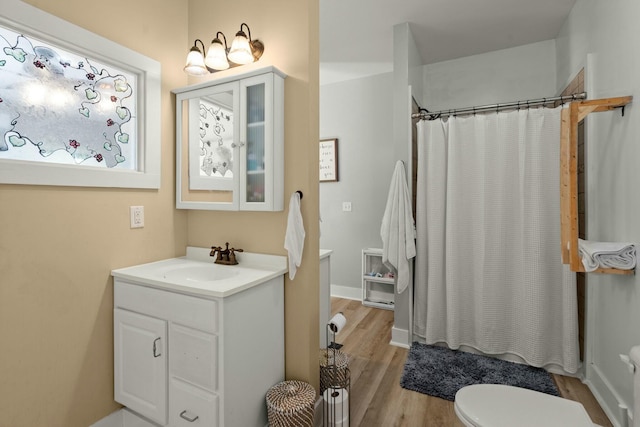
pixel 489 274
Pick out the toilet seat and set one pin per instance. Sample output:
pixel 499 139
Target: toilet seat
pixel 495 405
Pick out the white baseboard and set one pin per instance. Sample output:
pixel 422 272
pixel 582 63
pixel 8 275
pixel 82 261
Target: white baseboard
pixel 607 397
pixel 123 418
pixel 347 292
pixel 400 337
pixel 115 419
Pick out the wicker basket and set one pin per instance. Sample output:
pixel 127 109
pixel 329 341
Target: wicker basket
pixel 290 404
pixel 334 369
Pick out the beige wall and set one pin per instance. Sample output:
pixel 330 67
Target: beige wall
pixel 289 30
pixel 59 244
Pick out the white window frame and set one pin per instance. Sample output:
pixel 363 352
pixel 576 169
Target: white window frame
pixel 24 18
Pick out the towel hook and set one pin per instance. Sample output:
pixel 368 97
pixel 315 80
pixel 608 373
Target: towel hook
pixel 300 193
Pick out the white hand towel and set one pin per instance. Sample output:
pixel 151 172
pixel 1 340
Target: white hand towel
pixel 398 228
pixel 294 237
pixel 607 255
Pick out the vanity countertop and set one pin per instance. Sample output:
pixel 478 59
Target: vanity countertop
pixel 196 274
pixel 324 253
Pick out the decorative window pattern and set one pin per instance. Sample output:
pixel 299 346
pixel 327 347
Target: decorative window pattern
pixel 216 139
pixel 59 107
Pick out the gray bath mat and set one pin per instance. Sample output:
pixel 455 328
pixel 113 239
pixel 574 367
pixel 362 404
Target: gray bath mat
pixel 441 372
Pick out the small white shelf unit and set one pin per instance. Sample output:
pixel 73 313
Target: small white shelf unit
pixel 378 289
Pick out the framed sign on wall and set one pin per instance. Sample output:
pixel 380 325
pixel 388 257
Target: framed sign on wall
pixel 328 160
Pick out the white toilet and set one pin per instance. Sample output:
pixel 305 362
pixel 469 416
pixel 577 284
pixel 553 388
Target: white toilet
pixel 493 405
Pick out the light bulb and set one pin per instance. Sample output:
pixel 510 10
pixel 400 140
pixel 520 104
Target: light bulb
pixel 240 52
pixel 195 63
pixel 216 56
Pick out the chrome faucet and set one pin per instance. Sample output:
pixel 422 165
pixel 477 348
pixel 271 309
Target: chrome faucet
pixel 225 256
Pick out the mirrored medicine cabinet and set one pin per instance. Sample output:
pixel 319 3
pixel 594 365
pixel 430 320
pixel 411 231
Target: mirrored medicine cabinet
pixel 230 143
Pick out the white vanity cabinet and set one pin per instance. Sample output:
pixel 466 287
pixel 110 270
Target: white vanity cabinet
pixel 230 143
pixel 196 360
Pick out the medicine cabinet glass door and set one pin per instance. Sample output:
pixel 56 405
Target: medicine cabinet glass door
pixel 212 131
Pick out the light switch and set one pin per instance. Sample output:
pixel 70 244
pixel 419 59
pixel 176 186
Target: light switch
pixel 346 206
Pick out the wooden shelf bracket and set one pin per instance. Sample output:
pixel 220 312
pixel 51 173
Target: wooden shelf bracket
pixel 570 118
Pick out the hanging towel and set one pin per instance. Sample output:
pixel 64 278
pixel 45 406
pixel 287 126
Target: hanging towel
pixel 294 237
pixel 607 255
pixel 398 230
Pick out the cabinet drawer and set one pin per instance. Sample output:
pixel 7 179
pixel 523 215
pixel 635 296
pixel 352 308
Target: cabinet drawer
pixel 190 406
pixel 194 356
pixel 198 313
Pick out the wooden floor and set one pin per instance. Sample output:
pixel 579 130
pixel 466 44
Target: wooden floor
pixel 376 367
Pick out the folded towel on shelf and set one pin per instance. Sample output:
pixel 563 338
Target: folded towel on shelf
pixel 294 237
pixel 621 256
pixel 398 229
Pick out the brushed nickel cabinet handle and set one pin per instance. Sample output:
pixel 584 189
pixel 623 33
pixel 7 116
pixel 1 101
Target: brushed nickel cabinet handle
pixel 185 416
pixel 155 348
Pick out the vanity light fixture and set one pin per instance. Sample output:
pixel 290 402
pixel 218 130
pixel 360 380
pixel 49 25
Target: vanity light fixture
pixel 243 51
pixel 195 62
pixel 217 54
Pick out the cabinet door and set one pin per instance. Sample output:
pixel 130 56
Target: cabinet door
pixel 140 364
pixel 261 140
pixel 213 138
pixel 207 147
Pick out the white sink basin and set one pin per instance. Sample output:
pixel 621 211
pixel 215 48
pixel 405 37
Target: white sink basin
pixel 196 274
pixel 200 273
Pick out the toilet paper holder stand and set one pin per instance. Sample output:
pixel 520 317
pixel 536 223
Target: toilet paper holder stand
pixel 335 378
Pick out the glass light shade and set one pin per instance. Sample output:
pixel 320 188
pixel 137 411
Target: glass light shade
pixel 195 63
pixel 240 51
pixel 216 56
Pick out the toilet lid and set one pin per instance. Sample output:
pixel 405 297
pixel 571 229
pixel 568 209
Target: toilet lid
pixel 494 405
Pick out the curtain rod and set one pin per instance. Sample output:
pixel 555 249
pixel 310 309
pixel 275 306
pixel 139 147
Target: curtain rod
pixel 425 114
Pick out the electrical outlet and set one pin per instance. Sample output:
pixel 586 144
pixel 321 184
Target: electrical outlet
pixel 346 206
pixel 137 216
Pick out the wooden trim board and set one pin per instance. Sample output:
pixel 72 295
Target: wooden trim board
pixel 570 117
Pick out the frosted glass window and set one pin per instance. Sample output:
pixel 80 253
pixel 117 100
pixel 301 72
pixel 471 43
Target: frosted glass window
pixel 59 107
